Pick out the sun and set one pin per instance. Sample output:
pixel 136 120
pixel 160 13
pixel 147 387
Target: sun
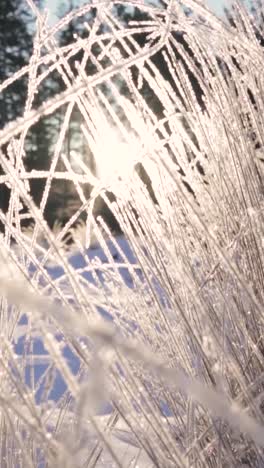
pixel 115 156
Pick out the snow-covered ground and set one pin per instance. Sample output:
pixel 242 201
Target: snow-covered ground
pixel 91 266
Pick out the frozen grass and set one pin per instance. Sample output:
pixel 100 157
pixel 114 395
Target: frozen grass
pixel 147 349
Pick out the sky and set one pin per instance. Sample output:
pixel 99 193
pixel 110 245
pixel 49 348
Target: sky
pixel 215 5
pixel 218 5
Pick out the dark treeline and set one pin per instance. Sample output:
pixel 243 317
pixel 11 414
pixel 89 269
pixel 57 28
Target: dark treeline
pixel 17 35
pixel 15 51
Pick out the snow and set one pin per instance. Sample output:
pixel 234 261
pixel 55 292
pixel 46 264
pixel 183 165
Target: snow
pixel 121 439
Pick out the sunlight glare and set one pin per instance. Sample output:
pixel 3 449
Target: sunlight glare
pixel 115 158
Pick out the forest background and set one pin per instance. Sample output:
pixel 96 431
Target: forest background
pixel 17 36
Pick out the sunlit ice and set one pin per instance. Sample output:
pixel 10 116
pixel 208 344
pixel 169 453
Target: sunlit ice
pixel 163 202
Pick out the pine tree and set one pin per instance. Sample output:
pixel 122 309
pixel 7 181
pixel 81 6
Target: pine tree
pixel 180 48
pixel 15 51
pixel 16 47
